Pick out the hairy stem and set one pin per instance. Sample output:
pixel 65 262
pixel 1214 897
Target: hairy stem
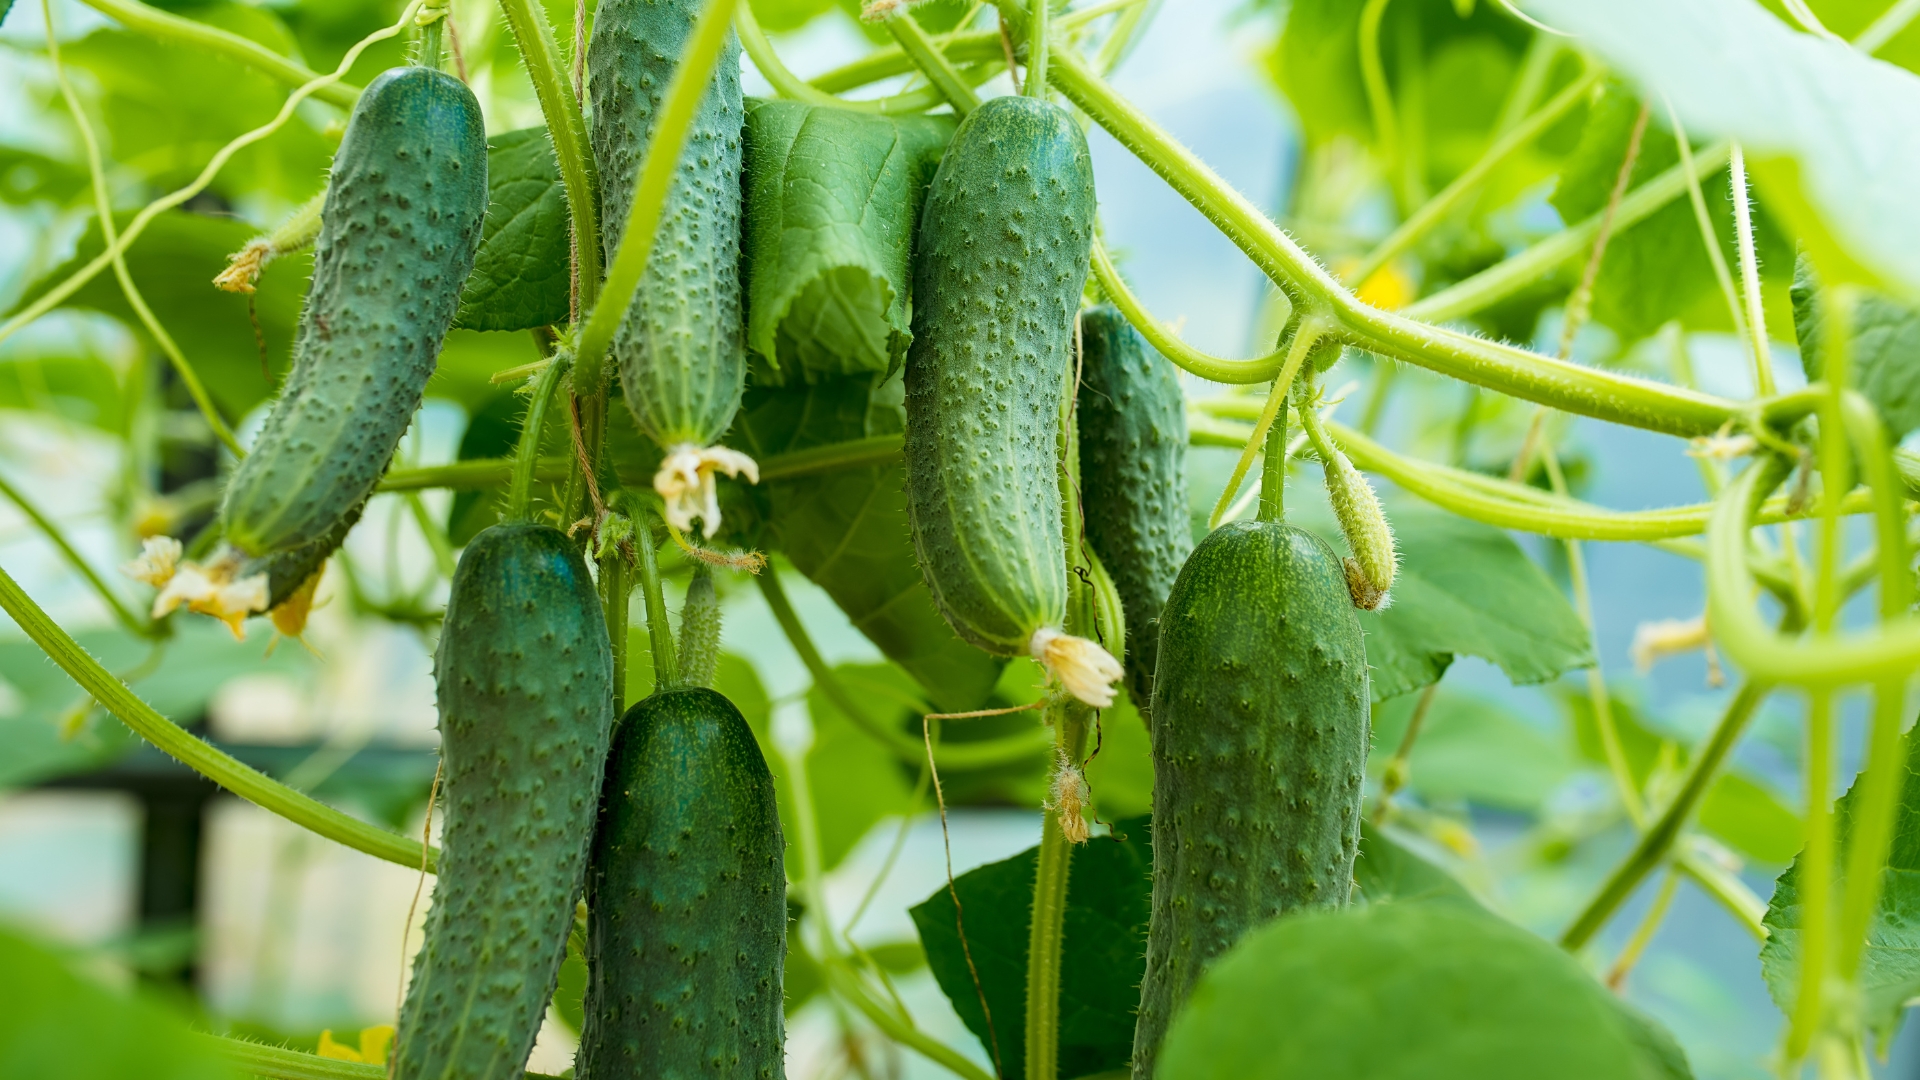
pixel 526 456
pixel 666 663
pixel 142 627
pixel 567 127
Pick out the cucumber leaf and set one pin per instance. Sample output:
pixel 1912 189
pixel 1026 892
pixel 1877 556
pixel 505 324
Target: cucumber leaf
pixel 847 530
pixel 1828 128
pixel 1884 354
pixel 833 197
pixel 521 276
pixel 1430 988
pixel 1890 973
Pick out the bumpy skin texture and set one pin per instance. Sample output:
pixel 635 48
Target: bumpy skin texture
pixel 687 937
pixel 1259 745
pixel 1132 421
pixel 999 266
pixel 526 708
pixel 682 347
pixel 398 234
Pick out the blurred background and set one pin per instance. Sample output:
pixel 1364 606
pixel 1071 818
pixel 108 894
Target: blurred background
pixel 253 926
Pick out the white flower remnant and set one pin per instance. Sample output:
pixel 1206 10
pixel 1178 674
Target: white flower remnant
pixel 1086 670
pixel 686 482
pixel 210 590
pixel 159 555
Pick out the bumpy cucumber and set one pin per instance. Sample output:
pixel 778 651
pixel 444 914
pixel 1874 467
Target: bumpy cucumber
pixel 1132 421
pixel 681 348
pixel 999 267
pixel 687 930
pixel 1259 745
pixel 526 707
pixel 397 240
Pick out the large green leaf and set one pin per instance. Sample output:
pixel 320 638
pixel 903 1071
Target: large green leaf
pixel 1109 899
pixel 1890 974
pixel 521 275
pixel 1475 750
pixel 1463 588
pixel 1435 989
pixel 1733 70
pixel 56 1025
pixel 833 196
pixel 1883 354
pixel 847 530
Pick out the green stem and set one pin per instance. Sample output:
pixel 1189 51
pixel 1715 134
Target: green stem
pixel 567 127
pixel 1813 878
pixel 792 87
pixel 166 26
pixel 616 586
pixel 431 532
pixel 526 456
pixel 669 139
pixel 1657 841
pixel 1273 467
pixel 1704 222
pixel 1205 365
pixel 926 55
pixel 180 744
pixel 1373 76
pixel 1756 320
pixel 1045 940
pixel 1036 86
pixel 430 36
pixel 142 627
pixel 1435 210
pixel 891 60
pixel 846 982
pixel 666 664
pixel 1308 337
pixel 1726 888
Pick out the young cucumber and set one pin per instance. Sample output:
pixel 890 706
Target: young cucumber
pixel 681 349
pixel 398 235
pixel 999 266
pixel 1259 744
pixel 526 706
pixel 1132 421
pixel 687 923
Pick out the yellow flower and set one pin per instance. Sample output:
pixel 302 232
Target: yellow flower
pixel 372 1050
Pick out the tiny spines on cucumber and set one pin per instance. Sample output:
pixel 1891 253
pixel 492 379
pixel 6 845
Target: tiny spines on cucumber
pixel 1132 421
pixel 1260 729
pixel 686 940
pixel 525 680
pixel 399 231
pixel 699 651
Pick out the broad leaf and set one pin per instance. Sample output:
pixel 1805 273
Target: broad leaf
pixel 833 197
pixel 1883 354
pixel 1890 973
pixel 1463 588
pixel 1733 70
pixel 1428 989
pixel 56 1025
pixel 521 276
pixel 1474 750
pixel 847 530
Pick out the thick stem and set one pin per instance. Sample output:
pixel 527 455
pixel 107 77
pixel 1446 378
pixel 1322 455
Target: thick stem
pixel 1273 469
pixel 135 624
pixel 1047 932
pixel 616 585
pixel 926 55
pixel 567 127
pixel 666 665
pixel 526 457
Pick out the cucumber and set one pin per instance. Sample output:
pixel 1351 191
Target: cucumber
pixel 1001 261
pixel 699 649
pixel 397 240
pixel 1132 421
pixel 525 682
pixel 687 924
pixel 1259 745
pixel 681 348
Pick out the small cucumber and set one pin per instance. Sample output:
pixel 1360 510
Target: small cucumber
pixel 1259 745
pixel 1000 264
pixel 686 900
pixel 681 349
pixel 526 706
pixel 699 650
pixel 397 240
pixel 1132 420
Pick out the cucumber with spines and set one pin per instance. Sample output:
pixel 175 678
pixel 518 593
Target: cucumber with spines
pixel 398 234
pixel 687 923
pixel 1260 728
pixel 1132 421
pixel 699 651
pixel 525 679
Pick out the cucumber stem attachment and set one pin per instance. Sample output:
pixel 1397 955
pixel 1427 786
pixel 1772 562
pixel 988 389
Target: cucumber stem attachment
pixel 666 666
pixel 526 456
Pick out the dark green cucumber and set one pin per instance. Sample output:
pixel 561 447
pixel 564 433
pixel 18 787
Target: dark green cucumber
pixel 999 267
pixel 686 900
pixel 1132 420
pixel 682 346
pixel 526 706
pixel 1259 744
pixel 399 230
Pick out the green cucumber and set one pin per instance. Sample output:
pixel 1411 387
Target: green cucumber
pixel 1259 745
pixel 686 900
pixel 1000 263
pixel 526 706
pixel 681 347
pixel 832 198
pixel 397 240
pixel 1132 421
pixel 699 649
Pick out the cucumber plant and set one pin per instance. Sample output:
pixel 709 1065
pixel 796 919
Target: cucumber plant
pixel 877 302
